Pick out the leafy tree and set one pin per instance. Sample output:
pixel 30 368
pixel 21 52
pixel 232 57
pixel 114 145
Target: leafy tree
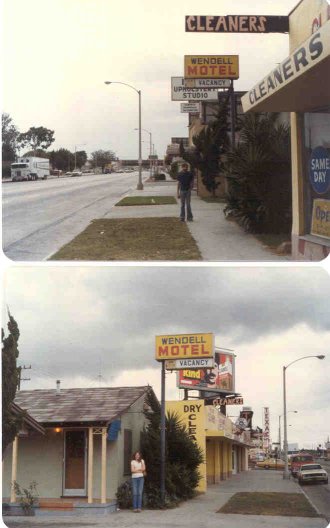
pixel 174 170
pixel 39 153
pixel 100 158
pixel 37 137
pixel 10 423
pixel 209 147
pixel 183 456
pixel 258 171
pixel 81 158
pixel 62 159
pixel 9 137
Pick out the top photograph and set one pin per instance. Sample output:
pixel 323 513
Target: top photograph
pixel 141 131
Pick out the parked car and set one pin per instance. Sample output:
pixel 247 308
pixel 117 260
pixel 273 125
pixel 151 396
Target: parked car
pixel 271 463
pixel 76 173
pixel 312 473
pixel 68 173
pixel 300 460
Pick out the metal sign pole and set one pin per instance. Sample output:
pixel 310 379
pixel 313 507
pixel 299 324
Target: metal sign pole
pixel 162 437
pixel 232 113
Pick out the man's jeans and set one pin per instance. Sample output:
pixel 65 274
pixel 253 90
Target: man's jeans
pixel 137 489
pixel 185 203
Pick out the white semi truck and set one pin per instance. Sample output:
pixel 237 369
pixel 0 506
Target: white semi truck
pixel 30 168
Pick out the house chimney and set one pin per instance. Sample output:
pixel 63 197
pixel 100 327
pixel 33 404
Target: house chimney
pixel 58 386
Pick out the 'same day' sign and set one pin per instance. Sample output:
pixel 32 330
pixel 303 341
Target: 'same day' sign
pixel 184 346
pixel 319 170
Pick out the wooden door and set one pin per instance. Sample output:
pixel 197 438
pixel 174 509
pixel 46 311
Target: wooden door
pixel 75 463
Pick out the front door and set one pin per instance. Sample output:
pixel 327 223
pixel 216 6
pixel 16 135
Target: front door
pixel 74 463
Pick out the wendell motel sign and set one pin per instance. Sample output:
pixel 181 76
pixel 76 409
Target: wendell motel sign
pixel 184 346
pixel 211 66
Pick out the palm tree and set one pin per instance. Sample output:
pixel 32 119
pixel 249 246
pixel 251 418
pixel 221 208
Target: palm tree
pixel 258 171
pixel 209 146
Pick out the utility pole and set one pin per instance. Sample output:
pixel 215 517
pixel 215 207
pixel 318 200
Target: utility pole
pixel 19 375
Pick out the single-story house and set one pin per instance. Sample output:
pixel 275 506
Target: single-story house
pixel 84 444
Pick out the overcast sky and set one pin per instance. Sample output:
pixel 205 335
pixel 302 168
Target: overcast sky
pixel 78 322
pixel 58 53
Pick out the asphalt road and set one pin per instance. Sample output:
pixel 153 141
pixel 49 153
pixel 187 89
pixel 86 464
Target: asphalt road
pixel 39 217
pixel 319 494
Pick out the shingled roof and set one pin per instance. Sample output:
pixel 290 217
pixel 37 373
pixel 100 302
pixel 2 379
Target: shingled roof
pixel 101 404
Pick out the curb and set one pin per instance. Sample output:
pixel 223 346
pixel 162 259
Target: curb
pixel 312 504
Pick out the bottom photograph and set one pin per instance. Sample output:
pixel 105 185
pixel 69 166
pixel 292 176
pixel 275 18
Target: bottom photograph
pixel 192 396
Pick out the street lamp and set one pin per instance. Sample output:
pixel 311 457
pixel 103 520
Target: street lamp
pixel 140 184
pixel 285 443
pixel 150 145
pixel 75 153
pixel 279 430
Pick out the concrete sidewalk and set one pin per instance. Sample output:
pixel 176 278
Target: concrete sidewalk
pixel 217 238
pixel 196 513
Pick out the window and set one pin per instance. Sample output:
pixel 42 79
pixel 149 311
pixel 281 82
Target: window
pixel 127 451
pixel 317 172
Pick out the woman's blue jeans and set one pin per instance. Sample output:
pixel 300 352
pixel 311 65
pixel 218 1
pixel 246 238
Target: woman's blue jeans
pixel 137 488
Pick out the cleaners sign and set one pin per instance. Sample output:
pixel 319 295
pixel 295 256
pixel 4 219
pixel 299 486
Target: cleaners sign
pixel 319 170
pixel 211 66
pixel 184 346
pixel 310 53
pixel 238 24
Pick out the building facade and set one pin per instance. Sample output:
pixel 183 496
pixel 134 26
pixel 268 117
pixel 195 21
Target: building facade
pixel 224 445
pixel 85 451
pixel 300 84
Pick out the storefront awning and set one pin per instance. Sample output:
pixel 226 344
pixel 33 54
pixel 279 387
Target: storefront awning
pixel 301 83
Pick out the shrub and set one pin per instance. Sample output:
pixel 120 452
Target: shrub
pixel 160 177
pixel 183 457
pixel 124 495
pixel 27 496
pixel 173 172
pixel 258 172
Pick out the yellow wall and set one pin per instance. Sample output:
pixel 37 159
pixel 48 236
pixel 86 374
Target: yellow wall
pixel 192 415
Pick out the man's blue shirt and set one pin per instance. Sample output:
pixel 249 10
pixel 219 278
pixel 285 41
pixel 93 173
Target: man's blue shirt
pixel 185 179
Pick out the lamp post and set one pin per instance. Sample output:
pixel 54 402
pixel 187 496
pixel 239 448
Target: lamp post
pixel 140 184
pixel 285 443
pixel 279 430
pixel 150 147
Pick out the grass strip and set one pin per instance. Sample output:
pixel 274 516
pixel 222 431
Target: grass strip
pixel 147 200
pixel 269 503
pixel 213 199
pixel 132 239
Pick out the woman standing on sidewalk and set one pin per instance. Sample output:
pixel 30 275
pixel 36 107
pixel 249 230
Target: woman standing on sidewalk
pixel 138 469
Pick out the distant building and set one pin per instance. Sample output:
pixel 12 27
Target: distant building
pixel 293 447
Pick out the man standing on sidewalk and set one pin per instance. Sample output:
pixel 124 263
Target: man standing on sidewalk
pixel 185 184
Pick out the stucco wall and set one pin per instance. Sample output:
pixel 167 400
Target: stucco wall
pixel 39 458
pixel 301 20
